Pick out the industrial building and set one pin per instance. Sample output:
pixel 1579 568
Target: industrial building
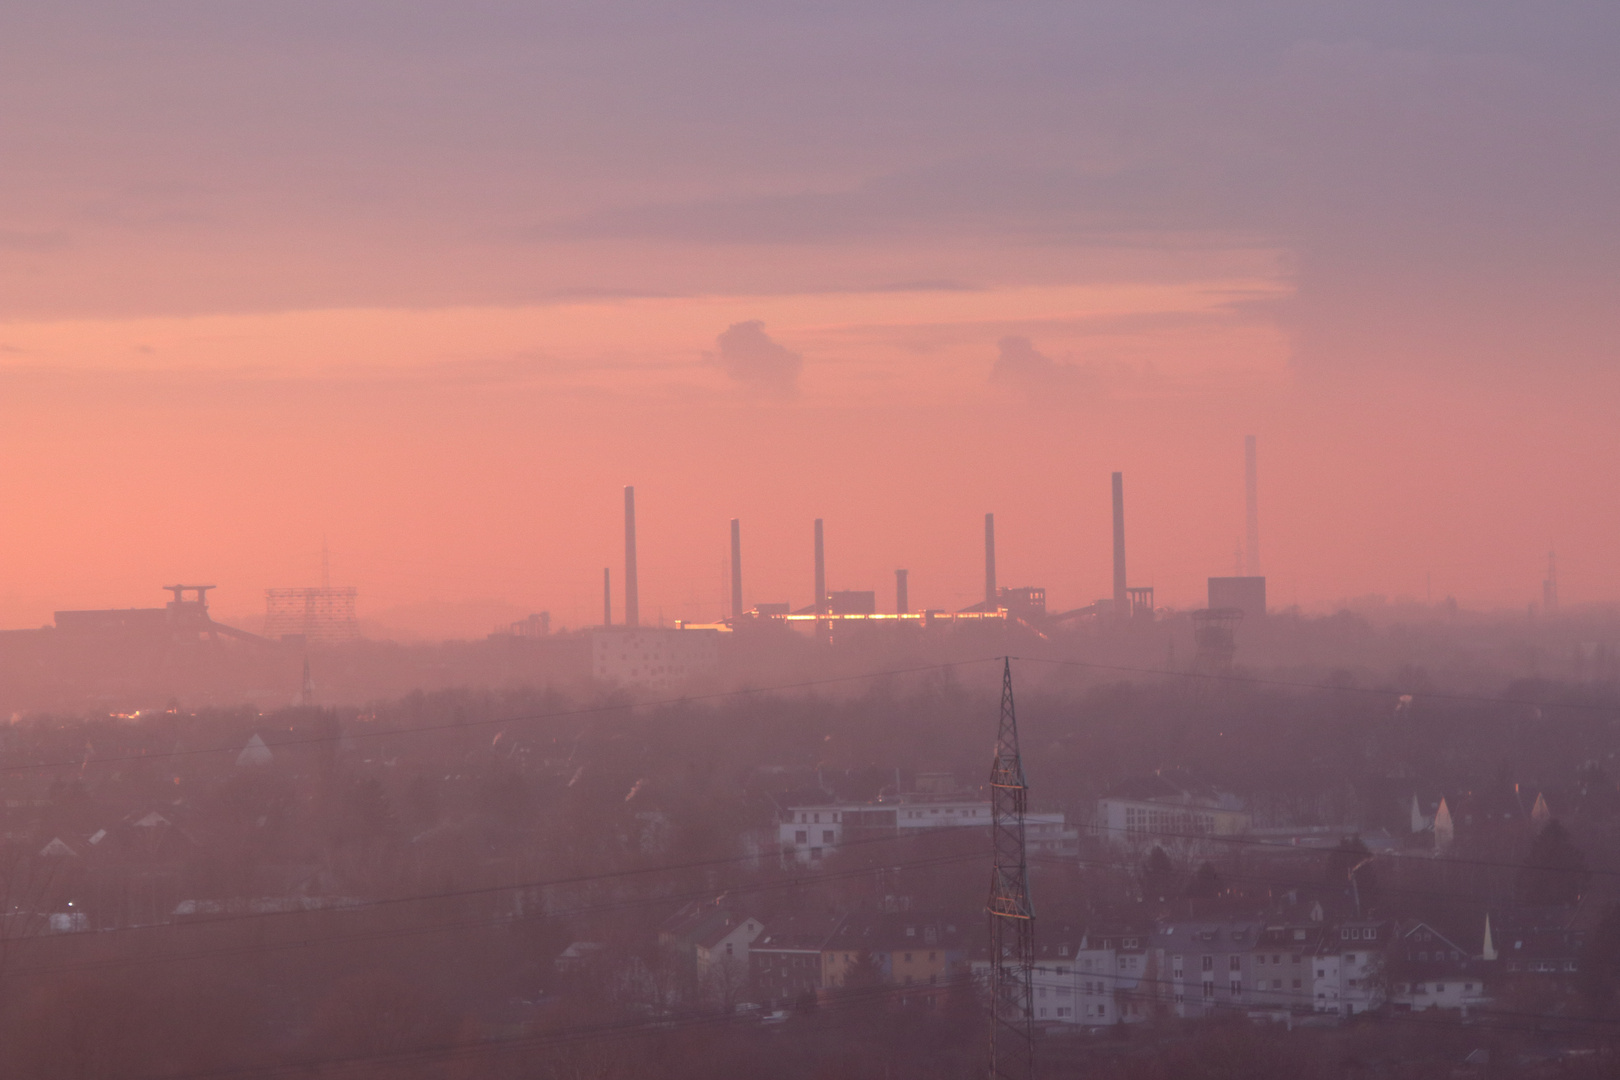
pixel 652 658
pixel 1245 594
pixel 183 618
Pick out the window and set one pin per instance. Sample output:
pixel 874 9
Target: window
pixel 1237 987
pixel 1209 991
pixel 1468 988
pixel 728 949
pixel 1276 984
pixel 1234 962
pixel 1297 958
pixel 1296 984
pixel 826 836
pixel 802 836
pixel 1439 988
pixel 1275 959
pixel 1209 963
pixel 1261 959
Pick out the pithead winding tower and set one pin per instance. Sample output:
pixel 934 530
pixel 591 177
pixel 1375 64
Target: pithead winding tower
pixel 1012 916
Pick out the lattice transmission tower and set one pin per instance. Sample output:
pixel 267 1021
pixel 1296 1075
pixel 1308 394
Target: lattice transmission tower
pixel 1012 916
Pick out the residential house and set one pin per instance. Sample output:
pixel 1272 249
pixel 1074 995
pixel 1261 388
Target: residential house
pixel 1429 970
pixel 1349 973
pixel 1202 967
pixel 785 960
pixel 703 934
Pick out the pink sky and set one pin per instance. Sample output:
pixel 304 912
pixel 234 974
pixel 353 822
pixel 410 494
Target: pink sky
pixel 435 285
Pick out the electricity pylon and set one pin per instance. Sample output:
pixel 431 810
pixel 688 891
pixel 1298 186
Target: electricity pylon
pixel 1012 917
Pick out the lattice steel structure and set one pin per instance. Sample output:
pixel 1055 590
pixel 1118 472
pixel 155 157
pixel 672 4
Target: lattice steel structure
pixel 317 614
pixel 1012 916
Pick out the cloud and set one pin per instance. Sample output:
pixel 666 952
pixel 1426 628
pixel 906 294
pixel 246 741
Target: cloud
pixel 757 363
pixel 1024 369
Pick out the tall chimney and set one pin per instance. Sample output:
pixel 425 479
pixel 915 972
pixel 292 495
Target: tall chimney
pixel 902 602
pixel 632 605
pixel 990 561
pixel 1251 486
pixel 736 569
pixel 821 573
pixel 1121 601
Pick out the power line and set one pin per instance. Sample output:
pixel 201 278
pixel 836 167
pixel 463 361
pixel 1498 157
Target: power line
pixel 486 890
pixel 481 923
pixel 1517 1021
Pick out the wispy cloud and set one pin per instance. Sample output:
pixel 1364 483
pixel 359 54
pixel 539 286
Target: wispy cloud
pixel 756 362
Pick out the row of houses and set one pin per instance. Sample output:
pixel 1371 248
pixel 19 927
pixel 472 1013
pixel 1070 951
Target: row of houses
pixel 794 958
pixel 1096 977
pixel 1282 969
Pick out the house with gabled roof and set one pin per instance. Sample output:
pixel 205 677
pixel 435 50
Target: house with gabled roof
pixel 1427 969
pixel 785 960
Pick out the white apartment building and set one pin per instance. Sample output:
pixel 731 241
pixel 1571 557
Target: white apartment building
pixel 1092 982
pixel 808 834
pixel 1151 810
pixel 1350 969
pixel 653 658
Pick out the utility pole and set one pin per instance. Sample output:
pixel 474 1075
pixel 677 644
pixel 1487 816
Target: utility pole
pixel 1012 916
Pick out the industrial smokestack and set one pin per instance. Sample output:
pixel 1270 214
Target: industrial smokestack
pixel 607 596
pixel 1121 601
pixel 1251 486
pixel 632 606
pixel 821 573
pixel 990 561
pixel 902 602
pixel 736 569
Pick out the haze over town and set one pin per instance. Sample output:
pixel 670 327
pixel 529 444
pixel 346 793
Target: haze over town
pixel 574 539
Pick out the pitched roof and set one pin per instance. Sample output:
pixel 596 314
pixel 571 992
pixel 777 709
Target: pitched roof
pixel 255 752
pixel 797 933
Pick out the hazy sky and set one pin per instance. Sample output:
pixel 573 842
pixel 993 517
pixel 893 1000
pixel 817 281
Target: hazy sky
pixel 434 280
